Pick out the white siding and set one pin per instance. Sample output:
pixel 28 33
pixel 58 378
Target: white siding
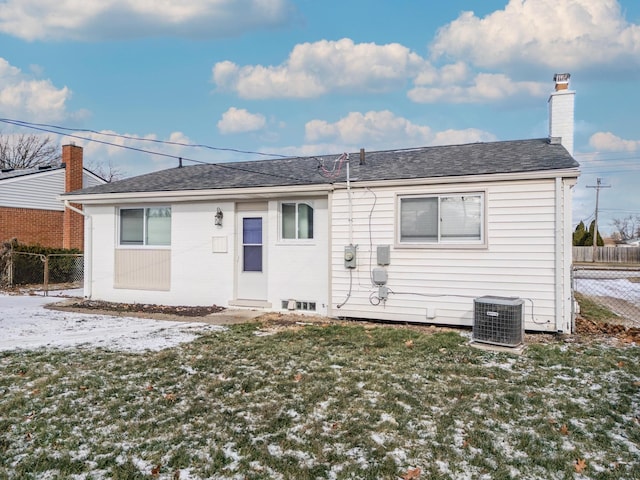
pixel 39 191
pixel 519 258
pixel 89 180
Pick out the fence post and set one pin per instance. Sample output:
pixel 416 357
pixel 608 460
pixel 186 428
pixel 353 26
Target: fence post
pixel 10 267
pixel 45 259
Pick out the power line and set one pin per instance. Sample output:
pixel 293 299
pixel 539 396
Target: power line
pixel 48 129
pixel 44 127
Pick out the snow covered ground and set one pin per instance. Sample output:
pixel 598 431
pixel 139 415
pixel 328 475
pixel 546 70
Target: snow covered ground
pixel 26 324
pixel 617 288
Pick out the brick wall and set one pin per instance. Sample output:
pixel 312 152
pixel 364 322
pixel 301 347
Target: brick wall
pixel 32 226
pixel 47 227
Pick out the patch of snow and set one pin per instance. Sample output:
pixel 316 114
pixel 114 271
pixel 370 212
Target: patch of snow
pixel 385 417
pixel 26 324
pixel 274 450
pixel 378 438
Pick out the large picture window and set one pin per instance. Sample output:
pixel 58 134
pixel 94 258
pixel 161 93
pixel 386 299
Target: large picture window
pixel 297 221
pixel 447 218
pixel 145 226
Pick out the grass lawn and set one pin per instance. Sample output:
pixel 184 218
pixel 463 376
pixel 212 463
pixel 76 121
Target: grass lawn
pixel 322 401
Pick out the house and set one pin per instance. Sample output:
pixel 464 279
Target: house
pixel 30 210
pixel 410 235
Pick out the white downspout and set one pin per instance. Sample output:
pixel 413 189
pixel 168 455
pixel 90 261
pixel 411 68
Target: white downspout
pixel 88 247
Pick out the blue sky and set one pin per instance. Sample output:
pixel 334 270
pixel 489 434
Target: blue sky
pixel 314 77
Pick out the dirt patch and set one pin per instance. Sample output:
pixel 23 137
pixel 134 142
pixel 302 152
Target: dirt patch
pixel 271 322
pixel 593 329
pixel 127 308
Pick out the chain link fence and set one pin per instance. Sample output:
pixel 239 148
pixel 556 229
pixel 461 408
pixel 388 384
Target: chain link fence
pixel 615 291
pixel 26 268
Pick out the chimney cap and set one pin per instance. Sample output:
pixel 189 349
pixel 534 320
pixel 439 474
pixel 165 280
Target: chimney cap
pixel 562 80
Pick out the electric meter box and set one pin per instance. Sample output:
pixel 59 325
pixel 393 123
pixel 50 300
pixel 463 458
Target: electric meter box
pixel 350 256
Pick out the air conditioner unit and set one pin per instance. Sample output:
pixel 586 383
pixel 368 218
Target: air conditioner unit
pixel 498 321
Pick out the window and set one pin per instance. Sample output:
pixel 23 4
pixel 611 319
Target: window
pixel 297 221
pixel 145 226
pixel 252 244
pixel 437 219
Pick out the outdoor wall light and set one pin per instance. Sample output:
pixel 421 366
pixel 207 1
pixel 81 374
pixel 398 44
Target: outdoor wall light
pixel 218 217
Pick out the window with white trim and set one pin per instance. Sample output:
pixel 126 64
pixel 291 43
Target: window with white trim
pixel 145 226
pixel 297 221
pixel 442 219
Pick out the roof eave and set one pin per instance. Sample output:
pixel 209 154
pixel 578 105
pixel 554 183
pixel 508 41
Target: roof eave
pixel 200 195
pixel 492 177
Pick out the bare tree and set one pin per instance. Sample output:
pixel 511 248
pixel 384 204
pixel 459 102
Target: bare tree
pixel 28 151
pixel 627 227
pixel 108 171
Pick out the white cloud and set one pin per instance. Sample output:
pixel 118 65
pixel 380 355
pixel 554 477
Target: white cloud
pixel 313 69
pixel 608 142
pixel 383 129
pixel 239 120
pixel 108 147
pixel 565 34
pixel 104 19
pixel 28 98
pixel 484 87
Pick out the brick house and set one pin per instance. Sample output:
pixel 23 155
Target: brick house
pixel 30 210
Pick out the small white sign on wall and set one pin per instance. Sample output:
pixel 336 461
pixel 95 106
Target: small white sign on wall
pixel 219 244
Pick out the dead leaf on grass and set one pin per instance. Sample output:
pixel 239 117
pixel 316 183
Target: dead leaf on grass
pixel 409 343
pixel 297 377
pixel 412 474
pixel 564 430
pixel 155 471
pixel 580 465
pixel 170 397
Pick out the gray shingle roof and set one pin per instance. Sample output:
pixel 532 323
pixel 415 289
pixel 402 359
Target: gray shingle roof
pixel 425 162
pixel 21 172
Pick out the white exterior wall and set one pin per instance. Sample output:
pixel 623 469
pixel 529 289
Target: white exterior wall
pixel 299 270
pixel 202 276
pixel 519 259
pixel 561 114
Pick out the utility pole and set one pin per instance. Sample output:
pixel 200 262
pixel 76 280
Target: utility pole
pixel 598 186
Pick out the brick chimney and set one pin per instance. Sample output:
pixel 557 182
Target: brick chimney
pixel 73 223
pixel 561 107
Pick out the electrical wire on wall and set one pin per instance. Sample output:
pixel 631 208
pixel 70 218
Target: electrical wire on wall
pixel 375 200
pixel 349 292
pixel 437 295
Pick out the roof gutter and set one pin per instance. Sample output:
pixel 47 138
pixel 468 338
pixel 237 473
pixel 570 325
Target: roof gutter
pixel 201 195
pixel 88 244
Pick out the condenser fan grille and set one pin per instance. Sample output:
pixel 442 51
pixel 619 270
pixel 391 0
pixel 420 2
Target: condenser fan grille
pixel 498 321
